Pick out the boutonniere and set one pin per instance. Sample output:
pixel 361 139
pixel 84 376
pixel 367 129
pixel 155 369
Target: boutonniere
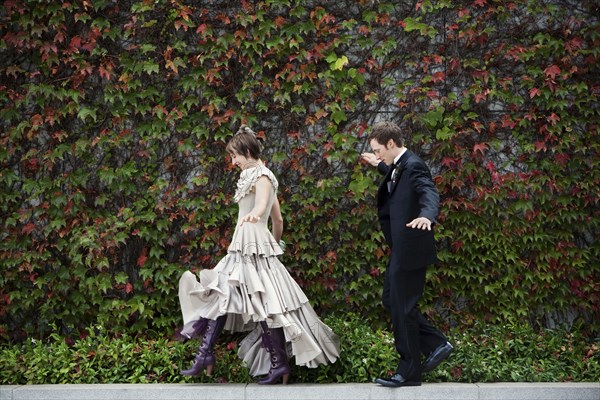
pixel 398 169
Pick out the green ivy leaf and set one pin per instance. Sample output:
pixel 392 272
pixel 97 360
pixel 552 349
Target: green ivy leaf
pixel 85 112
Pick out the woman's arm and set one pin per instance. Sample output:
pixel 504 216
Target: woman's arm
pixel 263 188
pixel 277 220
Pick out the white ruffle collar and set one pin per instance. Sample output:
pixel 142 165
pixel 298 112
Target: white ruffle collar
pixel 248 178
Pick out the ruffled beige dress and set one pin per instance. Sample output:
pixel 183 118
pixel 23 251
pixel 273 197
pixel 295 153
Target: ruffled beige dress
pixel 250 285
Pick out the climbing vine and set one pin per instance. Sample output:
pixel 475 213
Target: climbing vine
pixel 114 178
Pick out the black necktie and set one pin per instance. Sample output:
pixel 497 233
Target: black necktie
pixel 394 176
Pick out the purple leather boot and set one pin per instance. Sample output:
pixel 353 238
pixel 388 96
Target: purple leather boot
pixel 274 343
pixel 205 358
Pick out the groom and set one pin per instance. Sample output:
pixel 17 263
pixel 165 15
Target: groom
pixel 407 203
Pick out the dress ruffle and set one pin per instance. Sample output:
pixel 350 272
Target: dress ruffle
pixel 251 286
pixel 309 340
pixel 254 239
pixel 248 179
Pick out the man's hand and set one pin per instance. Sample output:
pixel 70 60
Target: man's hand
pixel 420 223
pixel 371 159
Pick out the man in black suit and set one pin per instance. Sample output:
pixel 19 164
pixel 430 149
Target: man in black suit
pixel 407 203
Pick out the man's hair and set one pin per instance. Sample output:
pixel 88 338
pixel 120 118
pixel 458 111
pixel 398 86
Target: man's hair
pixel 384 131
pixel 245 143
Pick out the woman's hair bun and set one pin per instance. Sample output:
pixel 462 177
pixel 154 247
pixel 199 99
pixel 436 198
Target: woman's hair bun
pixel 245 129
pixel 245 142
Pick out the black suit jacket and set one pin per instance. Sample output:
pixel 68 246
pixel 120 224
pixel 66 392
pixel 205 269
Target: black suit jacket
pixel 413 195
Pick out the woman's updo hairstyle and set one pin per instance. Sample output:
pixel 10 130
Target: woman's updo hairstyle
pixel 245 143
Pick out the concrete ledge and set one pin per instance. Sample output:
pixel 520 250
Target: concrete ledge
pixel 351 391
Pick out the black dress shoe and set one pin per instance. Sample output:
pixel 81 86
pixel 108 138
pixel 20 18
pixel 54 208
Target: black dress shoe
pixel 397 380
pixel 436 357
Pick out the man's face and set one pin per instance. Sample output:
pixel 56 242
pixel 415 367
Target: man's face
pixel 384 152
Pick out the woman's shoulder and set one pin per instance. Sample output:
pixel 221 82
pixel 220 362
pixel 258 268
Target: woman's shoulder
pixel 250 176
pixel 255 173
pixel 264 171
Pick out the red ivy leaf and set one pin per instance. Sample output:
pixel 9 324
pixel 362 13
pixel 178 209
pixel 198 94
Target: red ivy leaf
pixel 508 123
pixel 330 284
pixel 294 135
pixel 279 21
pixel 480 147
pixel 240 34
pixel 515 52
pixel 142 258
pixel 540 146
pixel 481 74
pixel 439 77
pixel 37 120
pixel 574 44
pixel 180 24
pixel 552 71
pixel 479 97
pixel 105 70
pixel 201 29
pixel 448 162
pixel 534 92
pixel 433 94
pixel 75 42
pixel 46 49
pixel 27 229
pixel 457 245
pixel 553 119
pixel 128 288
pixel 68 207
pixel 562 158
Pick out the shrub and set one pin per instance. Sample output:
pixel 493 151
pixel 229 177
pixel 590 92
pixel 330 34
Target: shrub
pixel 485 353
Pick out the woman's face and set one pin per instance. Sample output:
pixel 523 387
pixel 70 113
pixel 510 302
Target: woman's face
pixel 241 161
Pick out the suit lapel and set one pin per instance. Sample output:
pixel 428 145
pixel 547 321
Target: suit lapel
pixel 402 163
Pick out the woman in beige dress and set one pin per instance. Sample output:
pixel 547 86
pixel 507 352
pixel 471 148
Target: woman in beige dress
pixel 250 289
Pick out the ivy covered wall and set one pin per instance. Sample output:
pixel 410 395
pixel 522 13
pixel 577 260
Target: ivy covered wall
pixel 114 178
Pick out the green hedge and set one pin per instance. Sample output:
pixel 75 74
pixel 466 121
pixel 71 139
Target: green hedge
pixel 113 177
pixel 483 354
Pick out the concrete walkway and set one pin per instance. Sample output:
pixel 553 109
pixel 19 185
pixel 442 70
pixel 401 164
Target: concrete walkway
pixel 362 391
